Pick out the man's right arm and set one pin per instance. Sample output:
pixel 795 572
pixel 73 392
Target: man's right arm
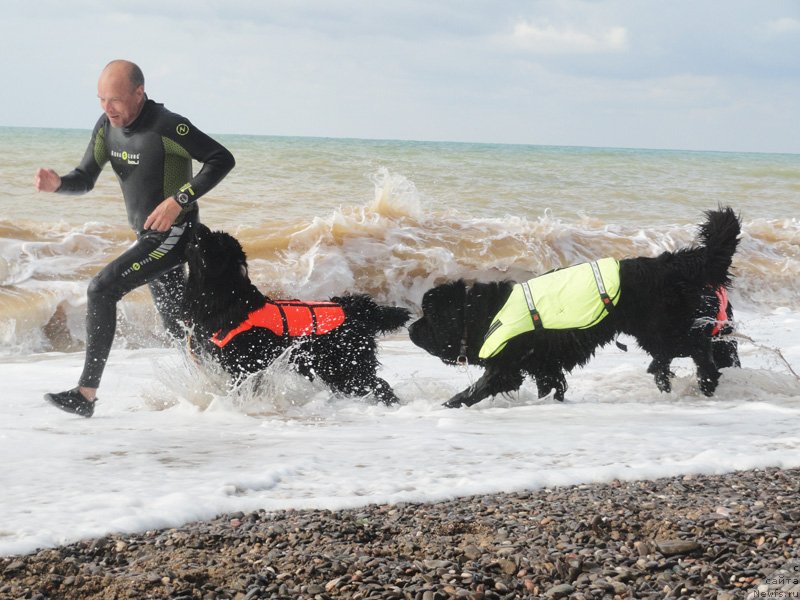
pixel 83 177
pixel 47 180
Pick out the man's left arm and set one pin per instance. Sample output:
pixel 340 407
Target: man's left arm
pixel 217 162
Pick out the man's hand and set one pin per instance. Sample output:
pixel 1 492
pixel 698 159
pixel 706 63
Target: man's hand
pixel 46 180
pixel 164 215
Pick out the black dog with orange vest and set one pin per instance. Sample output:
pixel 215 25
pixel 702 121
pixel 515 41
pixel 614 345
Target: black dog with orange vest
pixel 235 324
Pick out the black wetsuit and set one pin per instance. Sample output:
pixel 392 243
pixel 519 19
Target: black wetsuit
pixel 152 158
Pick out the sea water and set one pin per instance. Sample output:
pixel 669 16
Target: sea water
pixel 170 442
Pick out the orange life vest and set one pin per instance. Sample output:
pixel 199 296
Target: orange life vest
pixel 291 318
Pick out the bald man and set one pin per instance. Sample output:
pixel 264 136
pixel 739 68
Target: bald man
pixel 151 151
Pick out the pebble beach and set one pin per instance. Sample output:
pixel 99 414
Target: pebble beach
pixel 695 536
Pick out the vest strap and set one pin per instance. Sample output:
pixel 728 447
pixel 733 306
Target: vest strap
pixel 601 287
pixel 284 319
pixel 526 290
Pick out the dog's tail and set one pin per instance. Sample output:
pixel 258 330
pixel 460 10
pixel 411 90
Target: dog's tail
pixel 379 319
pixel 720 237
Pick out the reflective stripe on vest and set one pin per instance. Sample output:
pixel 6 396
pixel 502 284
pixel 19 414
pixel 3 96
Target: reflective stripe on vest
pixel 291 318
pixel 577 297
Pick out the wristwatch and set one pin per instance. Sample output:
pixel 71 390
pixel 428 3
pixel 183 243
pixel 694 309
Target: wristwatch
pixel 182 198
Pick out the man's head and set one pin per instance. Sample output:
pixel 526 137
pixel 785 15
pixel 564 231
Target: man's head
pixel 121 92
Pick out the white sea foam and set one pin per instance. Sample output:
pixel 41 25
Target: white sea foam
pixel 169 443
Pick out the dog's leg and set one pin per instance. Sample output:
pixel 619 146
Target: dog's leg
pixel 707 372
pixel 373 385
pixel 543 386
pixel 546 382
pixel 491 383
pixel 726 353
pixel 659 368
pixel 560 387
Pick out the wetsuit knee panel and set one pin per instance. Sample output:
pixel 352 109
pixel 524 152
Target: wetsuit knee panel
pixel 105 286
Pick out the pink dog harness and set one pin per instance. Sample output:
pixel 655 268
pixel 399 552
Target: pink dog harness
pixel 722 313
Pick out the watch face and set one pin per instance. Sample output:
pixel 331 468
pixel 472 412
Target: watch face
pixel 183 198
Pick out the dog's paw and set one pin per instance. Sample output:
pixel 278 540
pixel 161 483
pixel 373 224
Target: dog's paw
pixel 454 402
pixel 561 389
pixel 662 379
pixel 385 394
pixel 708 385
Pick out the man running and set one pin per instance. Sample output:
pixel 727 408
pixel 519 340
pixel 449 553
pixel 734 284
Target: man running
pixel 151 151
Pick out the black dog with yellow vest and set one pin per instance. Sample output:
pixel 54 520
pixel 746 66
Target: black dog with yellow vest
pixel 556 322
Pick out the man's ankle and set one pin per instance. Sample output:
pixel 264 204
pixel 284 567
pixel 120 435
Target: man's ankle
pixel 89 393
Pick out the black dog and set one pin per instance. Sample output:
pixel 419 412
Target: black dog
pixel 236 325
pixel 658 302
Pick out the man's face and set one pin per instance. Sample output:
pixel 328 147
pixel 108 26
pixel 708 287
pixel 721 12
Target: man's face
pixel 118 98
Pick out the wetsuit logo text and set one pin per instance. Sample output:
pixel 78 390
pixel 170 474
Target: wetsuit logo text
pixel 131 159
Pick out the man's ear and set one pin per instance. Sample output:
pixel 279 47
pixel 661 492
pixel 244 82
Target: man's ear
pixel 243 269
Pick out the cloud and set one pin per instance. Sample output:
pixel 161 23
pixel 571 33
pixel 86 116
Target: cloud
pixel 783 26
pixel 548 39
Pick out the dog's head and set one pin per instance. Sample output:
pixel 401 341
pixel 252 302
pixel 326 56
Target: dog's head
pixel 215 255
pixel 441 328
pixel 456 317
pixel 219 294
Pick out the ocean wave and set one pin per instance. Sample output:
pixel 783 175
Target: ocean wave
pixel 390 247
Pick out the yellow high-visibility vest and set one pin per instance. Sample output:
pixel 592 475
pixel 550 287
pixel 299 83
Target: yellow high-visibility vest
pixel 577 297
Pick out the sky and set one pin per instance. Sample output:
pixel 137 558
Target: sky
pixel 684 74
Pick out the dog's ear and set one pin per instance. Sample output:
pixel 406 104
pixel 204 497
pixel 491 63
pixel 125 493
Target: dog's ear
pixel 201 230
pixel 233 248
